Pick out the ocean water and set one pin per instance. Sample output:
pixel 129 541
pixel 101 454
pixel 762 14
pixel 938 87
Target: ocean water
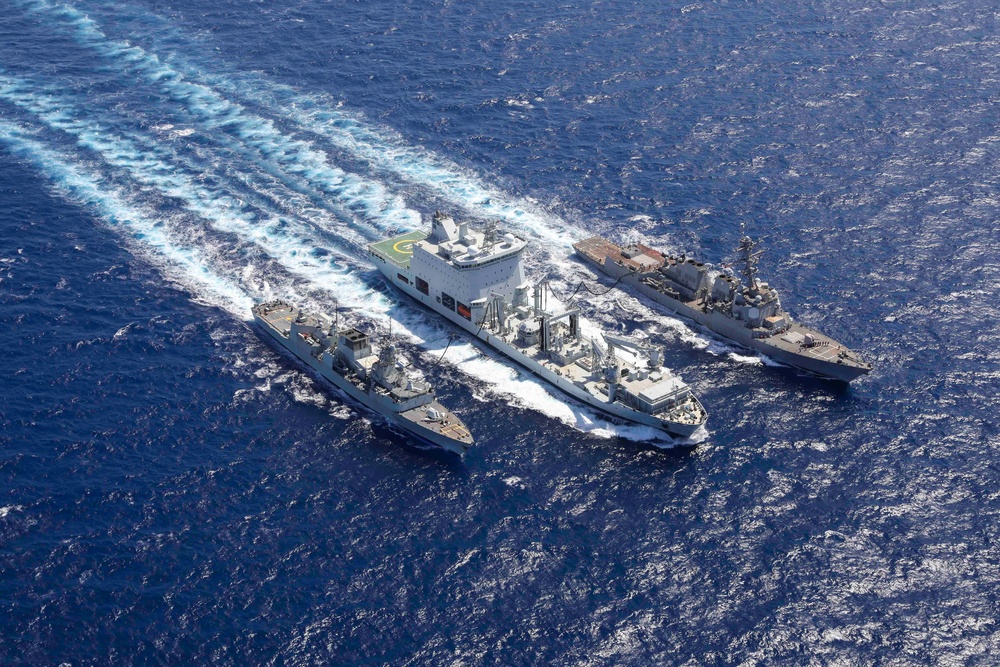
pixel 173 491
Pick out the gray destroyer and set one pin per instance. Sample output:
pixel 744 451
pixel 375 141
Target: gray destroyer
pixel 375 379
pixel 748 313
pixel 476 280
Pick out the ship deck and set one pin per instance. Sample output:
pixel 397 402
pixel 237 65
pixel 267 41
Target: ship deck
pixel 278 316
pixel 578 373
pixel 398 249
pixel 823 348
pixel 598 249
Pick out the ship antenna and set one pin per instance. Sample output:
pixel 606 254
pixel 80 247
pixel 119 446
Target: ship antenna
pixel 489 236
pixel 749 258
pixel 387 349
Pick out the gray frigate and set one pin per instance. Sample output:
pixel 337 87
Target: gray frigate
pixel 747 312
pixel 376 379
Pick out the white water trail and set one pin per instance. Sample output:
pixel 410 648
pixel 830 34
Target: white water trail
pixel 286 156
pixel 220 119
pixel 199 92
pixel 152 167
pixel 143 231
pixel 148 169
pixel 208 96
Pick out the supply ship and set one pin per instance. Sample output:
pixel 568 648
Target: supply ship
pixel 476 280
pixel 746 312
pixel 376 379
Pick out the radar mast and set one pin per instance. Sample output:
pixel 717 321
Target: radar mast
pixel 749 258
pixel 489 237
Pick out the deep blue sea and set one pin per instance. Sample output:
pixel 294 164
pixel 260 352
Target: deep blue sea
pixel 174 491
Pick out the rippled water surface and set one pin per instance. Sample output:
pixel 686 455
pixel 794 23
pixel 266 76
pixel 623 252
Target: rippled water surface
pixel 174 491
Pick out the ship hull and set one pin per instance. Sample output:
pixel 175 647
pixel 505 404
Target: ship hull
pixel 497 343
pixel 732 330
pixel 378 404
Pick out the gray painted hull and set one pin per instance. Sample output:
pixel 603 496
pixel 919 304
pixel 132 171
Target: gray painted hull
pixel 730 329
pixel 380 404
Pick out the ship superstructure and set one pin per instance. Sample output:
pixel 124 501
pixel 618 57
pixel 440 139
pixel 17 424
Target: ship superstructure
pixel 375 378
pixel 476 280
pixel 745 311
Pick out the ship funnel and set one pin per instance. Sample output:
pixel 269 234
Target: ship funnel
pixel 655 356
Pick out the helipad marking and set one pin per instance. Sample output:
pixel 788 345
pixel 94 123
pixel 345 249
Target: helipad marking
pixel 406 244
